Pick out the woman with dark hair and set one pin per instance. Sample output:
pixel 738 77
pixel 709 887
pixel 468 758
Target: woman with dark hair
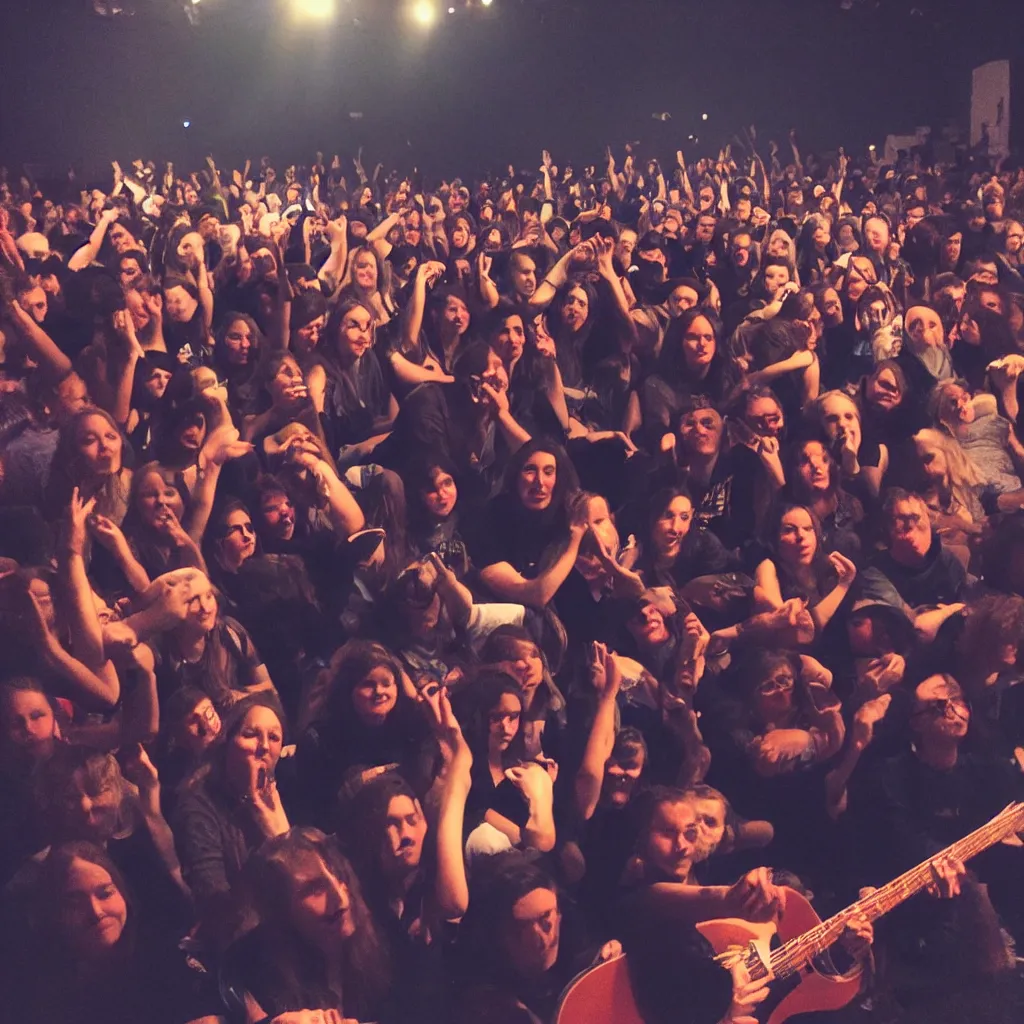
pixel 881 395
pixel 347 386
pixel 817 251
pixel 317 945
pixel 511 800
pixel 101 958
pixel 271 594
pixel 531 532
pixel 800 568
pixel 691 362
pixel 148 403
pixel 813 479
pixel 228 809
pixel 673 550
pixel 237 352
pixel 433 494
pixel 520 944
pixel 363 717
pixel 32 724
pixel 281 397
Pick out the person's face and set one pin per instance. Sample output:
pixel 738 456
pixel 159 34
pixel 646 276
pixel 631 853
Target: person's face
pixel 798 541
pixel 405 830
pixel 876 234
pixel 705 229
pixel 375 695
pixel 537 480
pixel 239 541
pixel 545 343
pixel 524 276
pixel 190 246
pixel 179 305
pixel 413 228
pixel 765 417
pixel 647 626
pixel 672 224
pixel 511 339
pixel 706 198
pixel 622 775
pixel 933 461
pixel 915 214
pixel 72 397
pixel 743 210
pixel 884 390
pixel 503 723
pixel 89 810
pixel 822 236
pixel 1014 238
pixel 847 239
pixel 576 309
pixel 699 345
pixel 671 842
pixel 365 271
pixel 672 526
pixel 773 695
pixel 29 724
pixel 778 245
pixel 456 316
pixel 774 279
pixel 192 433
pixel 532 934
pixel 526 665
pixel 356 333
pixel 992 300
pixel 278 514
pixel 121 238
pixel 35 303
pixel 831 308
pixel 238 343
pixel 599 519
pixel 994 208
pixel 681 299
pixel 257 742
pixel 93 911
pixel 287 377
pixel 701 432
pixel 958 404
pixel 99 446
pixel 460 235
pixel 320 904
pixel 710 815
pixel 860 277
pixel 156 498
pixel 625 247
pixel 495 374
pixel 156 383
pixel 841 417
pixel 952 247
pixel 492 240
pixel 868 635
pixel 910 532
pixel 940 711
pixel 200 728
pixel 739 249
pixel 441 496
pixel 924 328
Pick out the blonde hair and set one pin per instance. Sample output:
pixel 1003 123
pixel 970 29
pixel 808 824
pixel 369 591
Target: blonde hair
pixel 963 474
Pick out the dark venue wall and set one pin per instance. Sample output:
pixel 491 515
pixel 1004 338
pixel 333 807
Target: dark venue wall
pixel 489 88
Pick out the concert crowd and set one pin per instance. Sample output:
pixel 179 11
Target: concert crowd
pixel 414 593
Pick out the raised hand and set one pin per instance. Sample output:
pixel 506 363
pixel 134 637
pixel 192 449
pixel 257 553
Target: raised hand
pixel 868 715
pixel 78 515
pixel 846 571
pixel 225 444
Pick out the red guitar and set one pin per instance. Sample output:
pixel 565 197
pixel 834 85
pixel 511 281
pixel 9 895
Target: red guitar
pixel 794 949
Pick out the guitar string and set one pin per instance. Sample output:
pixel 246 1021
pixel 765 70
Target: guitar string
pixel 794 954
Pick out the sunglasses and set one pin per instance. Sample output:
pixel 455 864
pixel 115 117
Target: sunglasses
pixel 937 708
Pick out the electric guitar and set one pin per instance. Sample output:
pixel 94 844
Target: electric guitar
pixel 793 950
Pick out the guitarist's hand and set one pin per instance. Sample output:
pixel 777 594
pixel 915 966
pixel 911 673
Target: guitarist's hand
pixel 746 995
pixel 858 937
pixel 946 875
pixel 757 897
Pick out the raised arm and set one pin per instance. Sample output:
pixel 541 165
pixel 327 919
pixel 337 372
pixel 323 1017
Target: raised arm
pixel 510 585
pixel 606 680
pixel 89 252
pixel 39 341
pixel 334 265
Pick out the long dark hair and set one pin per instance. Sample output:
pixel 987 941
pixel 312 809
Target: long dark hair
pixel 672 366
pixel 474 708
pixel 300 976
pixel 567 483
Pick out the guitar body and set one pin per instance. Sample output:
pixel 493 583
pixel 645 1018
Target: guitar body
pixel 817 987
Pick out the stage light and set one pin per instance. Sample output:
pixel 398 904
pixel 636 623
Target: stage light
pixel 186 124
pixel 703 117
pixel 451 10
pixel 315 10
pixel 487 3
pixel 424 12
pixel 194 2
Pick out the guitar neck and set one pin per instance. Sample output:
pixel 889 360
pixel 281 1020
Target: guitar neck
pixel 801 949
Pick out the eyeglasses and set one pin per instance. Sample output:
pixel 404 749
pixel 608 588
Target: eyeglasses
pixel 884 385
pixel 777 684
pixel 938 707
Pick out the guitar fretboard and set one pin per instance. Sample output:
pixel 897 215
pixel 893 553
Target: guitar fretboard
pixel 796 953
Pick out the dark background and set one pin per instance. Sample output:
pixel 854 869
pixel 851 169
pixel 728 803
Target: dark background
pixel 486 86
